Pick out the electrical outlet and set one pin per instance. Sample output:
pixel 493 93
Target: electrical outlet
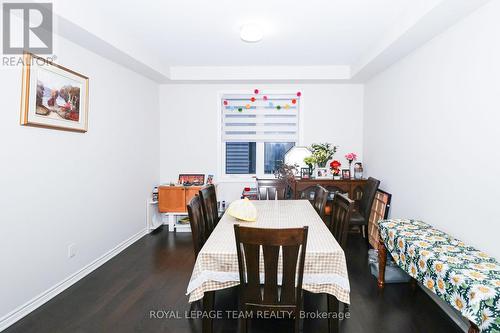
pixel 71 250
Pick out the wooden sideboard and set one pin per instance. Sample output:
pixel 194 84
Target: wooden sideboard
pixel 173 199
pixel 354 187
pixel 304 188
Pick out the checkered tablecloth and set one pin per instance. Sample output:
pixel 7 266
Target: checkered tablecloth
pixel 325 269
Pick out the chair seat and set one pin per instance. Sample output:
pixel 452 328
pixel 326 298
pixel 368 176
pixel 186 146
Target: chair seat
pixel 357 219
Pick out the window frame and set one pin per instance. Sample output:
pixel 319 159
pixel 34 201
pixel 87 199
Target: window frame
pixel 259 146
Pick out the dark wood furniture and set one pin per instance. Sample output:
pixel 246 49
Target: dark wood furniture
pixel 271 189
pixel 342 208
pixel 271 296
pixel 361 215
pixel 304 189
pixel 209 205
pixel 320 198
pixel 197 222
pixel 380 211
pixel 173 199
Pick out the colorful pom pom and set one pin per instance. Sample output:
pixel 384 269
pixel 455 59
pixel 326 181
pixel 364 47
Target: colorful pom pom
pixel 240 109
pixel 294 101
pixel 225 102
pixel 278 107
pixel 287 106
pixel 252 99
pixel 264 98
pixel 299 94
pixel 256 91
pixel 271 105
pixel 247 106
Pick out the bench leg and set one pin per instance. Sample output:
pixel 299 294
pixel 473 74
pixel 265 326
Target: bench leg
pixel 473 328
pixel 382 260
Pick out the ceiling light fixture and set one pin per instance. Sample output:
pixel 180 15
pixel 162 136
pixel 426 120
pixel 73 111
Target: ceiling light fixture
pixel 251 33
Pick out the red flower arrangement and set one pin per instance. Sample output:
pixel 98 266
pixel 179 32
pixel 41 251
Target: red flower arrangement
pixel 335 166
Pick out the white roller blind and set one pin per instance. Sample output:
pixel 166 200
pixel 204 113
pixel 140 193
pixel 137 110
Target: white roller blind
pixel 271 120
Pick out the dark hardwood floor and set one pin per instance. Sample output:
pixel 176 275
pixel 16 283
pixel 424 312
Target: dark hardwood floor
pixel 153 273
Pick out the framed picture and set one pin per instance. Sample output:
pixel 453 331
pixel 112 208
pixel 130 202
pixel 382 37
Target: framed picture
pixel 191 179
pixel 322 173
pixel 305 173
pixel 53 96
pixel 346 174
pixel 210 179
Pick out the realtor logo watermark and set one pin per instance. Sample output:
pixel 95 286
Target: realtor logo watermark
pixel 35 33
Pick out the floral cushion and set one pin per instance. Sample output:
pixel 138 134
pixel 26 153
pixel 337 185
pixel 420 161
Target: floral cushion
pixel 467 279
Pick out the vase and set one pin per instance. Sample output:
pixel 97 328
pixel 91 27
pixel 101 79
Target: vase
pixel 322 164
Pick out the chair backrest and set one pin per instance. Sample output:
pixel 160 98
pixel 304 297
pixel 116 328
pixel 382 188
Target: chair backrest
pixel 197 222
pixel 342 208
pixel 369 191
pixel 292 243
pixel 210 211
pixel 320 197
pixel 271 189
pixel 380 211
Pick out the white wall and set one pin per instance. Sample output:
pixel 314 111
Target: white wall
pixel 431 131
pixel 188 125
pixel 58 188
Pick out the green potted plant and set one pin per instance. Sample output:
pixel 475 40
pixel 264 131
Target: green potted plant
pixel 322 153
pixel 310 161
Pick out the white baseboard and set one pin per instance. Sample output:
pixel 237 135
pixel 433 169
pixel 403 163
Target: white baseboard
pixel 23 310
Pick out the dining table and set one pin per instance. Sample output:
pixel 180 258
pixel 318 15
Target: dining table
pixel 325 268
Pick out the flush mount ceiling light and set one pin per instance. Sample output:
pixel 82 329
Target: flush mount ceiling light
pixel 251 33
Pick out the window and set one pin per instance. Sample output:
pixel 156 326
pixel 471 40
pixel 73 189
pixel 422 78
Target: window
pixel 256 135
pixel 240 158
pixel 274 155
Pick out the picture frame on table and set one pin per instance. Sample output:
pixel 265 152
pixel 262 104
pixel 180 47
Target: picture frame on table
pixel 346 174
pixel 196 179
pixel 322 173
pixel 53 96
pixel 305 173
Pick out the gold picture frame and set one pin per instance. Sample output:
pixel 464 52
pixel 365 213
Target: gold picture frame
pixel 53 96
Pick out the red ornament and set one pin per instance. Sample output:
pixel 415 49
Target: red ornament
pixel 264 98
pixel 225 102
pixel 256 91
pixel 252 99
pixel 299 94
pixel 294 101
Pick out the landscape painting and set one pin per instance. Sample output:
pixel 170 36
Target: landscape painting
pixel 57 96
pixel 53 96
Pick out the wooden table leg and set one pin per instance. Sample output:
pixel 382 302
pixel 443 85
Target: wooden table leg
pixel 333 314
pixel 382 260
pixel 473 328
pixel 208 306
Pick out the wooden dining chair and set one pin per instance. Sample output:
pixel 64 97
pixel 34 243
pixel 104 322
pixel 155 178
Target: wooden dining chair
pixel 271 189
pixel 380 211
pixel 320 198
pixel 209 205
pixel 342 208
pixel 360 217
pixel 273 296
pixel 197 222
